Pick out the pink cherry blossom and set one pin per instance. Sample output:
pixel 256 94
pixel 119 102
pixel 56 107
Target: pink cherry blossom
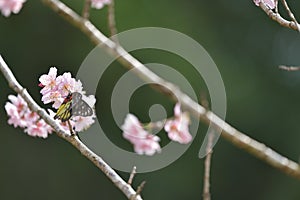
pixel 270 3
pixel 82 123
pixel 14 116
pixel 10 6
pixel 65 83
pixel 56 88
pixel 148 146
pixel 132 129
pixel 38 129
pixel 16 110
pixel 98 4
pixel 54 96
pixel 21 116
pixel 143 142
pixel 48 81
pixel 178 128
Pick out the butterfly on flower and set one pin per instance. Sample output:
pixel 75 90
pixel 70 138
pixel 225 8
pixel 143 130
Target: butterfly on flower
pixel 73 105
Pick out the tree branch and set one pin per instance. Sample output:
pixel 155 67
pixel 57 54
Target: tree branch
pixel 86 9
pixel 277 17
pixel 73 139
pixel 238 138
pixel 207 164
pixel 287 8
pixel 112 20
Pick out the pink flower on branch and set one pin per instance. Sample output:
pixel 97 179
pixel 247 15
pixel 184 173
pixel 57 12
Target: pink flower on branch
pixel 178 128
pixel 54 90
pixel 21 116
pixel 10 6
pixel 143 142
pixel 98 4
pixel 270 3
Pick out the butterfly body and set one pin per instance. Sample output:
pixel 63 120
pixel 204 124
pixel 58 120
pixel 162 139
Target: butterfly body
pixel 73 105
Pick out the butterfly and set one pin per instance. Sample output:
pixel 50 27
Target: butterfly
pixel 73 105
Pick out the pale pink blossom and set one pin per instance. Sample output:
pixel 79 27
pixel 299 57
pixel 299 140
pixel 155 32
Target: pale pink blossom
pixel 178 128
pixel 55 97
pixel 148 146
pixel 14 116
pixel 54 90
pixel 31 117
pixel 48 81
pixel 82 123
pixel 60 87
pixel 21 116
pixel 143 142
pixel 10 6
pixel 98 4
pixel 16 109
pixel 65 83
pixel 39 129
pixel 270 3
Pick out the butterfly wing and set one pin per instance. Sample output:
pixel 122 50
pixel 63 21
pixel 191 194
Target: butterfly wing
pixel 80 107
pixel 64 111
pixel 73 105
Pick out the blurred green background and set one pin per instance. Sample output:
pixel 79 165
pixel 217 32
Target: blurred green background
pixel 247 47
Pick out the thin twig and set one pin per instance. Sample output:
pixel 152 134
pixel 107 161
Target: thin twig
pixel 140 188
pixel 112 21
pixel 207 164
pixel 289 68
pixel 286 6
pixel 132 174
pixel 277 17
pixel 86 9
pixel 203 100
pixel 238 138
pixel 74 140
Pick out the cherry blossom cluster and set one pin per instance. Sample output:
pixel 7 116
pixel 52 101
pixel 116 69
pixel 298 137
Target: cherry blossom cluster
pixel 54 90
pixel 21 116
pixel 147 143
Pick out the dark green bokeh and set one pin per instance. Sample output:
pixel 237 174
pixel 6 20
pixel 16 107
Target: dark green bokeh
pixel 246 46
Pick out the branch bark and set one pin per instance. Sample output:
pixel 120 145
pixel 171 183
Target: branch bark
pixel 112 20
pixel 278 18
pixel 238 138
pixel 207 167
pixel 73 139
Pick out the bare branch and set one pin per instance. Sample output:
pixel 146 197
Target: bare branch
pixel 277 17
pixel 73 139
pixel 236 137
pixel 140 188
pixel 289 68
pixel 207 164
pixel 86 9
pixel 112 20
pixel 290 13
